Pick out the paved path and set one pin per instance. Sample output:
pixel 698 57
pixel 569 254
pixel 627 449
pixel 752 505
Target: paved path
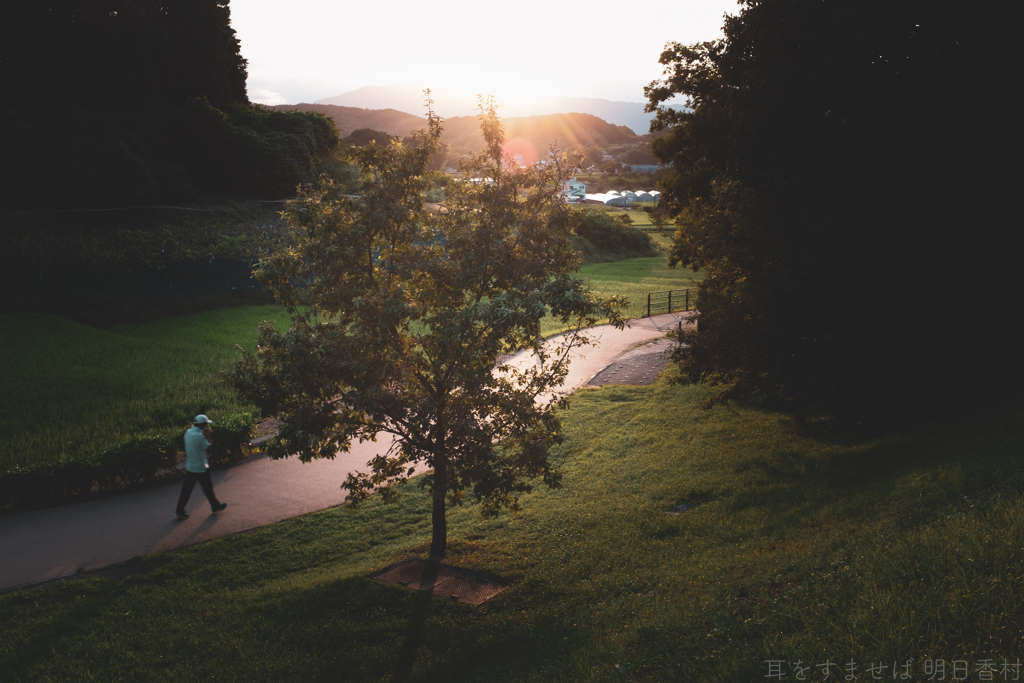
pixel 42 545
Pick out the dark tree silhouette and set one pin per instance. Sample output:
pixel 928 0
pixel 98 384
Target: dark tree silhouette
pixel 843 181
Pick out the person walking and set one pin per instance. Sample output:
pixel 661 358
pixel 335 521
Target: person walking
pixel 197 468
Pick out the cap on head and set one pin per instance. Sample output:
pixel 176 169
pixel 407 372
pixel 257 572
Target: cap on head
pixel 203 420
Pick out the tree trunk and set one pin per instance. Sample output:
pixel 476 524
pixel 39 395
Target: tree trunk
pixel 439 539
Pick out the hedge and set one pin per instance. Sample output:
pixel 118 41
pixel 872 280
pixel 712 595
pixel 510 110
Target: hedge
pixel 137 460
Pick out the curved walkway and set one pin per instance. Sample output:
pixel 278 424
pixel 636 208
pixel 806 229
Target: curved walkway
pixel 55 543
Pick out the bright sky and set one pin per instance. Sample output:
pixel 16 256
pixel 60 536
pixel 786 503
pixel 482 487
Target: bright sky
pixel 308 50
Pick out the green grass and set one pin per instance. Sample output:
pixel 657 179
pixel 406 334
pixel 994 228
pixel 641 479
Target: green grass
pixel 804 544
pixel 633 279
pixel 72 390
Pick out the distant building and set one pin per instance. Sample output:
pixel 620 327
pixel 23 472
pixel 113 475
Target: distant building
pixel 645 168
pixel 609 199
pixel 574 188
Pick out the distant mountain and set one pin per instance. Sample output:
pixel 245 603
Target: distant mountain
pixel 403 98
pixel 410 99
pixel 567 131
pixel 462 133
pixel 348 119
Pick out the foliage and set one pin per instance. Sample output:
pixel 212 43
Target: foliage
pixel 399 316
pixel 110 54
pixel 140 236
pixel 608 238
pixel 54 483
pixel 231 438
pixel 364 136
pixel 638 155
pixel 817 149
pixel 592 155
pixel 139 459
pixel 168 120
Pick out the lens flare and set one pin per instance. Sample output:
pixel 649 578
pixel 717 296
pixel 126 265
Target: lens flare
pixel 519 151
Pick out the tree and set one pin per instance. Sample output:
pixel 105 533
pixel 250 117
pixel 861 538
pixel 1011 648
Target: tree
pixel 361 137
pixel 399 317
pixel 659 217
pixel 824 186
pixel 638 155
pixel 593 155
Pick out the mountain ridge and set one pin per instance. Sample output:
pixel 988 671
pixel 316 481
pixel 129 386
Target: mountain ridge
pixel 574 130
pixel 409 99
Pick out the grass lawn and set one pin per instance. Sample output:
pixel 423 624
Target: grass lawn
pixel 633 279
pixel 72 390
pixel 803 544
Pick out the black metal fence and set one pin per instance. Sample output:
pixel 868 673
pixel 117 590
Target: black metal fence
pixel 670 300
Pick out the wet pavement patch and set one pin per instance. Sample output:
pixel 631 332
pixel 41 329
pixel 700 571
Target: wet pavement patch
pixel 442 581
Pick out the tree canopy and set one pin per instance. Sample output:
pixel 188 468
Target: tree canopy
pixel 400 316
pixel 139 101
pixel 842 180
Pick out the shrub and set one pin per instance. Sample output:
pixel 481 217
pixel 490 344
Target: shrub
pixel 136 459
pixel 129 462
pixel 45 484
pixel 612 239
pixel 231 437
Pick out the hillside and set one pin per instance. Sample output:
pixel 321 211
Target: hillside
pixel 348 119
pixel 462 133
pixel 574 130
pixel 408 98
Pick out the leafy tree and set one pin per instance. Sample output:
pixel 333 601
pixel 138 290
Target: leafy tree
pixel 144 101
pixel 593 155
pixel 638 155
pixel 399 317
pixel 840 207
pixel 607 239
pixel 659 218
pixel 361 137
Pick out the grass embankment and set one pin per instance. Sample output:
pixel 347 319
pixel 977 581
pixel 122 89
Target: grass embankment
pixel 802 546
pixel 72 390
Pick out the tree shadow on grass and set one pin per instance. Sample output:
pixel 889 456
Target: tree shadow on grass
pixel 414 632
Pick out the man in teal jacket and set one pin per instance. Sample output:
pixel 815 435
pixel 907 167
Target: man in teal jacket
pixel 197 467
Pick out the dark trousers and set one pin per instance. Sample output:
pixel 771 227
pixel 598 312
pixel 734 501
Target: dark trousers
pixel 190 481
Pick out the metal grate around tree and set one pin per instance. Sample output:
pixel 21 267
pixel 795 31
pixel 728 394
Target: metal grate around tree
pixel 442 581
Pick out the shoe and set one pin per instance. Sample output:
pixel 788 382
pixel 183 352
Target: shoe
pixel 220 507
pixel 181 515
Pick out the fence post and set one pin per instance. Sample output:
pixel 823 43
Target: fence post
pixel 648 304
pixel 669 301
pixel 687 299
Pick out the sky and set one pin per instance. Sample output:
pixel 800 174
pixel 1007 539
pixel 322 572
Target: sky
pixel 308 50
